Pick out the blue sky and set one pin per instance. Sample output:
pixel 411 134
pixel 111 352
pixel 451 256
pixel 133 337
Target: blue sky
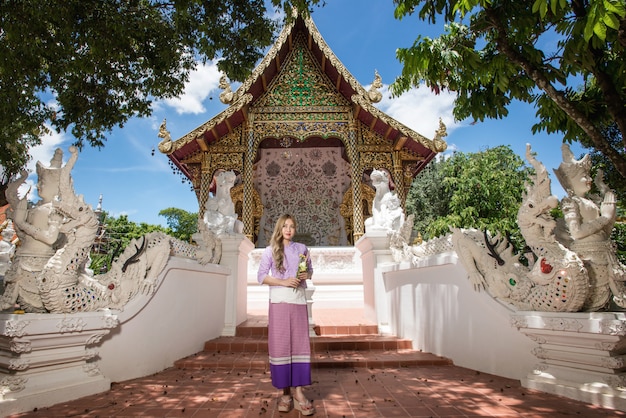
pixel 364 35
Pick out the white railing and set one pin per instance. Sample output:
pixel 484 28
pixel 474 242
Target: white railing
pixel 337 279
pixel 53 358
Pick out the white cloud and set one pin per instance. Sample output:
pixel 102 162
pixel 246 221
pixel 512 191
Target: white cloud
pixel 123 213
pixel 202 81
pixel 420 109
pixel 45 151
pixel 28 187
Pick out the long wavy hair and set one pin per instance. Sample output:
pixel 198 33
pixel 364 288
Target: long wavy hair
pixel 276 241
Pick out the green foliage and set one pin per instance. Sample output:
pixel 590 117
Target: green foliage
pixel 599 161
pixel 480 190
pixel 100 263
pixel 618 235
pixel 87 66
pixel 118 232
pixel 497 52
pixel 183 224
pixel 429 198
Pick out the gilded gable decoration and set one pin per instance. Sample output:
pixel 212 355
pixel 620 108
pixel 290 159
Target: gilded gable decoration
pixel 373 160
pixel 371 138
pixel 199 132
pixel 301 83
pixel 373 94
pixel 302 130
pixel 166 144
pixel 227 95
pixel 237 195
pixel 301 101
pixel 437 146
pixel 303 135
pixel 347 207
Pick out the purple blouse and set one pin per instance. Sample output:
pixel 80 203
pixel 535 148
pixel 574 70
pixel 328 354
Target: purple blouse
pixel 290 262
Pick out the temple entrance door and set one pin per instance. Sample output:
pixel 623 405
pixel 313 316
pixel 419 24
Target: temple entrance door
pixel 306 179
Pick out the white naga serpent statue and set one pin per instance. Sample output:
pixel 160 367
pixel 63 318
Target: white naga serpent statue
pixel 49 272
pixel 555 279
pixel 572 264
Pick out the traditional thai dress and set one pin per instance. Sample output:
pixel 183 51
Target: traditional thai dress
pixel 288 320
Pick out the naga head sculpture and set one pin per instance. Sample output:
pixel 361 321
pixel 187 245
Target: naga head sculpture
pixel 48 178
pixel 574 175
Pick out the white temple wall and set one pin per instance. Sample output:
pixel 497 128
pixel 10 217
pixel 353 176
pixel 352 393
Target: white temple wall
pixel 308 183
pixel 436 307
pixel 337 279
pixel 186 310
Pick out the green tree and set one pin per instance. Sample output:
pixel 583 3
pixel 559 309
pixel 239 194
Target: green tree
pixel 618 235
pixel 122 230
pixel 429 198
pixel 495 52
pixel 87 66
pixel 480 190
pixel 599 161
pixel 182 223
pixel 117 234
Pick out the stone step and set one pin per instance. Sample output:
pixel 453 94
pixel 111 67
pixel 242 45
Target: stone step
pixel 254 344
pixel 254 328
pixel 337 359
pixel 248 350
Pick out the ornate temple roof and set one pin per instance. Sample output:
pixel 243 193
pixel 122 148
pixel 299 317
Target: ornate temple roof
pixel 361 100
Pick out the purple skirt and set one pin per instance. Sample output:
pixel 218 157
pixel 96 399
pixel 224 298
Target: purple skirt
pixel 289 346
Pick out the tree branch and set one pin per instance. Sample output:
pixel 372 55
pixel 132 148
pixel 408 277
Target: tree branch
pixel 543 83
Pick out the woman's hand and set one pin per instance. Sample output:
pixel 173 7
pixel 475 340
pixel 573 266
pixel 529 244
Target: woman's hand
pixel 293 282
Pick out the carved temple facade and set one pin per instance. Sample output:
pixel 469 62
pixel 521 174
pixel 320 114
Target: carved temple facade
pixel 302 135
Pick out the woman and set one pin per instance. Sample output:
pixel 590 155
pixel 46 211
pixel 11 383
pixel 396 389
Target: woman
pixel 288 328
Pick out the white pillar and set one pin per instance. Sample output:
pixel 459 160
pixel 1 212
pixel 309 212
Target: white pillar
pixel 377 260
pixel 51 358
pixel 580 355
pixel 235 251
pixel 310 289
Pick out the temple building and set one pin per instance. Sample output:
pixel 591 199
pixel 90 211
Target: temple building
pixel 302 135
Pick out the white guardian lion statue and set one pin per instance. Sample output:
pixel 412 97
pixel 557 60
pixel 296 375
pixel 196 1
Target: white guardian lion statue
pixel 387 212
